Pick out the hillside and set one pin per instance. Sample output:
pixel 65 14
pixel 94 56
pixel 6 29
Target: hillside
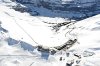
pixel 24 29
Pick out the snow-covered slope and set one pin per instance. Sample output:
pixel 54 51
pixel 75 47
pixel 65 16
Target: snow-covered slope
pixel 38 30
pixel 31 29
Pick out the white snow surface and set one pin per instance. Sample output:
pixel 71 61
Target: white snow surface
pixel 34 31
pixel 17 24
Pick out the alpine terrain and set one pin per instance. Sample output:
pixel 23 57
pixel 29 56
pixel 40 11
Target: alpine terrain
pixel 49 33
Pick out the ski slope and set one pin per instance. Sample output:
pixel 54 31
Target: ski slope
pixel 33 30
